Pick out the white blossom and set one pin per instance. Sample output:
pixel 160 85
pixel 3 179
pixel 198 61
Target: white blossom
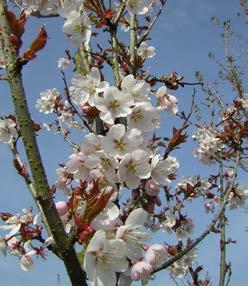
pixel 118 142
pixel 47 101
pixel 84 89
pixel 79 166
pixel 134 167
pixel 67 6
pixel 103 258
pixel 145 51
pixel 44 7
pixel 138 6
pixel 63 63
pixel 107 218
pixel 106 166
pixel 161 169
pixel 91 143
pixel 132 235
pixel 237 197
pixel 144 117
pixel 113 104
pixel 8 130
pixel 26 261
pixel 63 178
pixel 166 101
pixel 139 89
pixel 168 223
pixel 181 267
pixel 209 145
pixel 78 27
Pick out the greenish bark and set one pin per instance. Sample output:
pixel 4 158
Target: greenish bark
pixel 133 42
pixel 42 193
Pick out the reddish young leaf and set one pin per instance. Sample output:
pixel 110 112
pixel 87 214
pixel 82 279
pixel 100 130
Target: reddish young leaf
pixel 16 27
pixel 38 44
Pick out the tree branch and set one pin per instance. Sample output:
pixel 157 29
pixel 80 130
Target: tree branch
pixel 42 190
pixel 209 228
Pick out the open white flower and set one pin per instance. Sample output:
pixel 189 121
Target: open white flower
pixel 146 52
pixel 7 130
pixel 107 218
pixel 85 89
pixel 63 63
pixel 118 142
pixel 106 166
pixel 79 165
pixel 91 143
pixel 134 167
pixel 70 5
pixel 103 258
pixel 131 235
pixel 138 6
pixel 78 27
pixel 139 89
pixel 113 104
pixel 161 169
pixel 144 117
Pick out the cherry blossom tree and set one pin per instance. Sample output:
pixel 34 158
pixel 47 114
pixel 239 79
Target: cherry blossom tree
pixel 120 182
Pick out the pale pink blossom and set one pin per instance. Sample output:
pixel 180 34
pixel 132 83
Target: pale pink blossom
pixel 166 101
pixel 61 207
pixel 151 188
pixel 141 270
pixel 156 255
pixel 8 130
pixel 63 63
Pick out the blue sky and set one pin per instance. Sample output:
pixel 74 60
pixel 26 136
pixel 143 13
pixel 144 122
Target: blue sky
pixel 183 37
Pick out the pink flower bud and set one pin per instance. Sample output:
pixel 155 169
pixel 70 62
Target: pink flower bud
pixel 61 207
pixel 156 255
pixel 141 270
pixel 151 188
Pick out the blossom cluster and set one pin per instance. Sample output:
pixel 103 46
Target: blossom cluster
pixel 209 145
pixel 116 178
pixel 22 230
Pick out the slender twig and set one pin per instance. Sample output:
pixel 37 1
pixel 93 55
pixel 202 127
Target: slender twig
pixel 223 232
pixel 20 166
pixel 42 194
pixel 68 97
pixel 194 276
pixel 120 11
pixel 209 228
pixel 145 35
